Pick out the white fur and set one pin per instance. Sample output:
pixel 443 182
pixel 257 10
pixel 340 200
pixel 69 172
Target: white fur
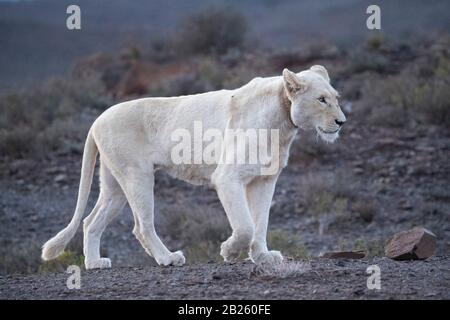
pixel 133 141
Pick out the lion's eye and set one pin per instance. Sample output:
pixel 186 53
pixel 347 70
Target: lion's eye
pixel 322 100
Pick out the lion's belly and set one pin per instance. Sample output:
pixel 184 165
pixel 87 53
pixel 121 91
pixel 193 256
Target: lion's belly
pixel 197 174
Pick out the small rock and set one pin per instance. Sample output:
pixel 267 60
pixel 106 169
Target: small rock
pixel 415 244
pixel 52 170
pixel 358 170
pixel 344 255
pixel 60 178
pixel 216 276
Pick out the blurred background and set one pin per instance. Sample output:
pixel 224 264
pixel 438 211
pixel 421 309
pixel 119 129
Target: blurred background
pixel 388 171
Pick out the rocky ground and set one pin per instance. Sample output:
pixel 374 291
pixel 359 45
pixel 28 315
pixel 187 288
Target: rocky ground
pixel 322 279
pixel 374 182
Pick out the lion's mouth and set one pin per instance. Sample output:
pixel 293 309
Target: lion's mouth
pixel 328 132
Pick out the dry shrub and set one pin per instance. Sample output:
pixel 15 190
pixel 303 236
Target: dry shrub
pixel 327 197
pixel 198 230
pixel 182 84
pixel 372 248
pixel 33 123
pixel 419 94
pixel 209 74
pixel 25 257
pixel 60 264
pixel 366 209
pixel 362 60
pixel 287 243
pixel 20 258
pixel 328 192
pixel 212 31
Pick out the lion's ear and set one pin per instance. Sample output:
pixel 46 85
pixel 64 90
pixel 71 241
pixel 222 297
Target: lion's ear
pixel 292 82
pixel 321 70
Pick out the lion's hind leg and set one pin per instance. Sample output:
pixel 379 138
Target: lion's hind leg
pixel 138 186
pixel 110 203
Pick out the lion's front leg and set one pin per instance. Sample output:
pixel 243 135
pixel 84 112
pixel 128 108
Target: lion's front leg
pixel 259 194
pixel 231 193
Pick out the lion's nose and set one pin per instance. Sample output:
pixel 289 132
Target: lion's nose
pixel 339 123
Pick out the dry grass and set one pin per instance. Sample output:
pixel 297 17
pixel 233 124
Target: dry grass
pixel 212 31
pixel 284 269
pixel 287 243
pixel 25 257
pixel 372 247
pixel 328 192
pixel 200 232
pixel 48 118
pixel 334 198
pixel 60 264
pixel 366 209
pixel 20 258
pixel 418 94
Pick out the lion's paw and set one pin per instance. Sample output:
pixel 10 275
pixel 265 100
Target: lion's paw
pixel 173 259
pixel 268 258
pixel 102 263
pixel 231 249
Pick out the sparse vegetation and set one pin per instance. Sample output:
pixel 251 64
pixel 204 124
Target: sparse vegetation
pixel 60 264
pixel 26 257
pixel 285 269
pixel 366 209
pixel 23 258
pixel 287 243
pixel 48 118
pixel 213 31
pixel 199 232
pixel 372 248
pixel 395 87
pixel 375 41
pixel 328 192
pixel 362 60
pixel 418 94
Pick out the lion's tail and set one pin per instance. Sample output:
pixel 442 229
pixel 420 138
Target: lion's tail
pixel 55 246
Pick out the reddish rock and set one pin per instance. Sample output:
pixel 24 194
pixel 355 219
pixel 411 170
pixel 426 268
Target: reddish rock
pixel 344 255
pixel 415 244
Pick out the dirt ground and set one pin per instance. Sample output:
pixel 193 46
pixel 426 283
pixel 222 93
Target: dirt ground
pixel 343 279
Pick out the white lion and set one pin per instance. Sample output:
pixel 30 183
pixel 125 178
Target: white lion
pixel 133 141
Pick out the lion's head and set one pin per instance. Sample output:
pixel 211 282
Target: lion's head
pixel 314 102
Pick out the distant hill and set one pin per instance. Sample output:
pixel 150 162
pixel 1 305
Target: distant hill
pixel 35 43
